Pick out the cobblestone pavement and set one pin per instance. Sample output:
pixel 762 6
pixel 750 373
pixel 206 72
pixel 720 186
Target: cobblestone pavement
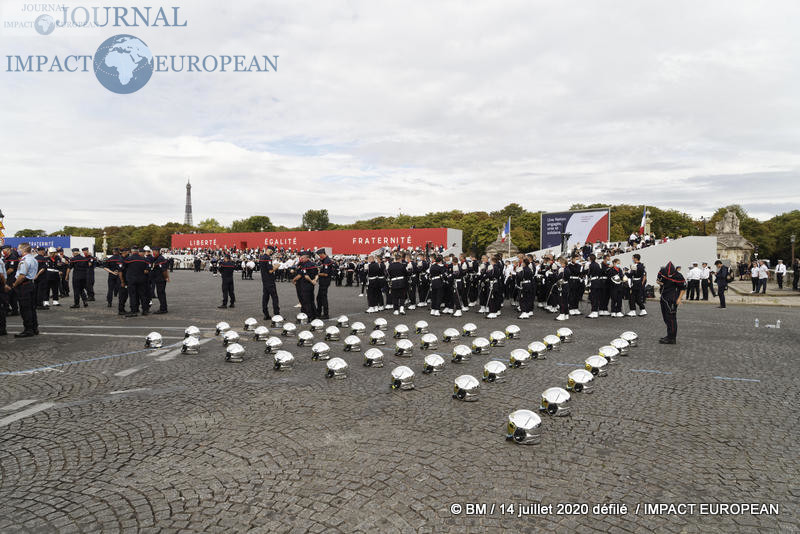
pixel 99 434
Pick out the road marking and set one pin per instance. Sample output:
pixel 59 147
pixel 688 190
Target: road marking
pixel 100 335
pixel 127 372
pixel 656 371
pixel 571 364
pixel 127 391
pixel 36 408
pixel 174 353
pixel 153 327
pixel 53 366
pixel 737 379
pixel 17 405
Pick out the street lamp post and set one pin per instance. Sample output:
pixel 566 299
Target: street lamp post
pixel 703 218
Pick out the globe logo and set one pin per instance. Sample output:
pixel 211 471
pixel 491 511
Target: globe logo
pixel 123 64
pixel 44 24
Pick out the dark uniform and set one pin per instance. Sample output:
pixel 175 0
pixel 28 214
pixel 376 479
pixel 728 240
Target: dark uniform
pixel 114 264
pixel 435 274
pixel 396 273
pixel 123 287
pixel 615 275
pixel 12 261
pixel 90 264
pixel 596 284
pixel 159 273
pixel 524 279
pixel 54 262
pixel 3 297
pixel 63 268
pixel 722 284
pixel 305 288
pixel 374 273
pixel 638 276
pixel 40 283
pixel 135 278
pixel 673 284
pixel 327 270
pixel 78 268
pixel 226 268
pixel 268 288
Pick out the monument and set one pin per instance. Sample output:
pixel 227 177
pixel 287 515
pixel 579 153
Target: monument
pixel 505 249
pixel 731 245
pixel 187 216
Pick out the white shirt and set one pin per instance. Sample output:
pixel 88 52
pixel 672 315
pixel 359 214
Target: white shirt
pixel 754 272
pixel 694 273
pixel 706 273
pixel 763 272
pixel 780 268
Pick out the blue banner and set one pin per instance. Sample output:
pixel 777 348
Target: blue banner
pixel 62 241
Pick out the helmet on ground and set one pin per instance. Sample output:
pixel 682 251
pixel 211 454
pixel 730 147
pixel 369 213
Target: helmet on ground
pixel 352 344
pixel 631 337
pixel 320 351
pixel 429 341
pixel 380 324
pixel 519 358
pixel 555 401
pixel 373 358
pixel 609 352
pixel 564 334
pixel 494 371
pixel 230 337
pixel 358 328
pixel 538 350
pixel 289 329
pixel 552 342
pixel 461 353
pixel 284 360
pixel 332 333
pixel 222 327
pixel 190 345
pixel 512 331
pixel 277 321
pixel 400 332
pixel 621 345
pixel 469 330
pixel 466 388
pixel 597 365
pixel 421 327
pixel 450 334
pixel 261 333
pixel 153 340
pixel 250 324
pixel 272 345
pixel 234 353
pixel 337 368
pixel 316 325
pixel 402 377
pixel 481 345
pixel 497 338
pixel 524 427
pixel 377 337
pixel 343 321
pixel 580 380
pixel 301 318
pixel 191 331
pixel 305 339
pixel 433 364
pixel 404 347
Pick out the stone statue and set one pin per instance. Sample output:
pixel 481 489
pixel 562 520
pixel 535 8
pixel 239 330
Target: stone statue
pixel 729 224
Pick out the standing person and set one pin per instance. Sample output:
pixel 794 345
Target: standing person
pixel 268 288
pixel 91 263
pixel 159 274
pixel 693 282
pixel 780 272
pixel 11 260
pixel 306 278
pixel 113 266
pixel 494 275
pixel 123 287
pixel 722 281
pixel 23 285
pixel 373 273
pixel 137 267
pixel 327 270
pixel 525 281
pixel 574 270
pixel 412 272
pixel 596 285
pixel 63 268
pixel 423 266
pixel 763 275
pixel 54 262
pixel 561 289
pixel 78 268
pixel 673 285
pixel 754 276
pixel 396 272
pixel 226 268
pixel 705 280
pixel 4 289
pixel 616 279
pixel 795 273
pixel 40 281
pixel 435 274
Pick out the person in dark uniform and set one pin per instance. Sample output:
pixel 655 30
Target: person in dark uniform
pixel 616 278
pixel 54 262
pixel 78 267
pixel 374 273
pixel 722 282
pixel 214 263
pixel 596 284
pixel 123 288
pixel 435 274
pixel 424 285
pixel 4 289
pixel 605 292
pixel 159 276
pixel 327 269
pixel 226 268
pixel 524 276
pixel 673 286
pixel 135 279
pixel 91 263
pixel 63 268
pixel 268 288
pixel 638 277
pixel 23 285
pixel 575 286
pixel 306 277
pixel 197 264
pixel 397 284
pixel 113 266
pixel 40 281
pixel 11 259
pixel 350 269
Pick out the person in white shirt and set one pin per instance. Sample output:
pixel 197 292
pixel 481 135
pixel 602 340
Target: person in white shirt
pixel 780 272
pixel 763 274
pixel 693 280
pixel 754 276
pixel 705 280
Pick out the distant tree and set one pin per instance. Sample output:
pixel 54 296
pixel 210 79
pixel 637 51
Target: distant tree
pixel 316 220
pixel 210 226
pixel 27 232
pixel 255 223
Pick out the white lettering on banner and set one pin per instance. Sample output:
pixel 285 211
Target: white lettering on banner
pixel 386 240
pixel 280 241
pixel 202 242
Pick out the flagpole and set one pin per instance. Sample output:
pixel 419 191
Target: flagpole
pixel 509 236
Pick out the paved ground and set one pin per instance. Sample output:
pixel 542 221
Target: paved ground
pixel 124 439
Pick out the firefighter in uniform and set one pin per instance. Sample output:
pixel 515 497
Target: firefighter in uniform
pixel 226 268
pixel 40 281
pixel 113 266
pixel 268 288
pixel 123 287
pixel 396 272
pixel 638 277
pixel 327 270
pixel 134 278
pixel 159 274
pixel 78 268
pixel 306 278
pixel 673 286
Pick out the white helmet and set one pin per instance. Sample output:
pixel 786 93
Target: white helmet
pixel 230 337
pixel 301 318
pixel 305 339
pixel 358 328
pixel 373 358
pixel 580 380
pixel 352 344
pixel 289 329
pixel 376 337
pixel 555 401
pixel 512 331
pixel 401 332
pixel 284 361
pixel 481 345
pixel 250 324
pixel 621 345
pixel 277 321
pixel 631 338
pixel 497 338
pixel 316 324
pixel 320 351
pixel 191 331
pixel 380 324
pixel 450 334
pixel 332 333
pixel 597 365
pixel 469 330
pixel 538 350
pixel 272 345
pixel 222 327
pixel 523 427
pixel 337 368
pixel 153 340
pixel 234 353
pixel 433 364
pixel 190 345
pixel 429 341
pixel 343 321
pixel 261 333
pixel 466 388
pixel 494 371
pixel 519 358
pixel 421 327
pixel 404 347
pixel 461 353
pixel 609 352
pixel 402 377
pixel 552 342
pixel 565 334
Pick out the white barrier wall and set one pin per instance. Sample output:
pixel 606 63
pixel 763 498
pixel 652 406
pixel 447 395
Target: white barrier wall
pixel 681 252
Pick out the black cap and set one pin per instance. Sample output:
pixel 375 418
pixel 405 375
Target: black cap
pixel 321 251
pixel 41 248
pixel 74 250
pixel 85 248
pixel 116 249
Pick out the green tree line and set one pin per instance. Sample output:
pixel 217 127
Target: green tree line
pixel 479 228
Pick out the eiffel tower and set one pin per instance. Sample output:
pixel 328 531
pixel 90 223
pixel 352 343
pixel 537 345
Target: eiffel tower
pixel 187 218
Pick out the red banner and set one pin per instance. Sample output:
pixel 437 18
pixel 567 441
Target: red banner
pixel 341 241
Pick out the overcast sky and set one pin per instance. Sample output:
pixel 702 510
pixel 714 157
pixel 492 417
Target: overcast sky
pixel 379 107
